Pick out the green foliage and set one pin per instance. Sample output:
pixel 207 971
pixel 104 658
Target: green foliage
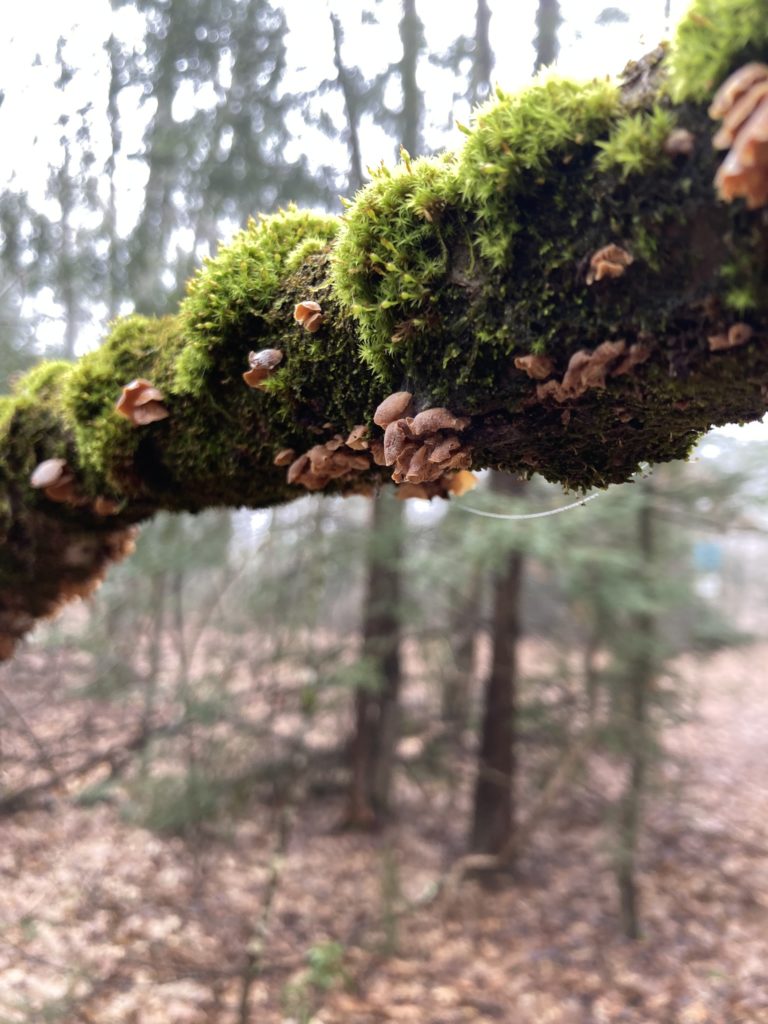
pixel 237 288
pixel 517 141
pixel 324 971
pixel 713 39
pixel 635 143
pixel 392 255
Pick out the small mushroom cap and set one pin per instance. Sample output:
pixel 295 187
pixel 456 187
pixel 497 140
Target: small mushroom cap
pixel 284 457
pixel 738 334
pixel 461 482
pixel 141 403
pixel 430 420
pixel 266 359
pixel 255 377
pixel 306 309
pixel 358 438
pixel 734 87
pixel 679 142
pixel 313 323
pixel 609 261
pixel 149 413
pixel 395 438
pixel 536 366
pixel 392 408
pixel 739 114
pixel 297 468
pixel 50 472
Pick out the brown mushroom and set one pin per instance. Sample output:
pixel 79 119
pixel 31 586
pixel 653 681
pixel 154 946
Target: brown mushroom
pixel 358 438
pixel 738 334
pixel 262 365
pixel 439 418
pixel 394 407
pixel 742 101
pixel 284 457
pixel 50 472
pixel 141 403
pixel 309 314
pixel 537 367
pixel 610 261
pixel 106 506
pixel 395 437
pixel 461 482
pixel 679 142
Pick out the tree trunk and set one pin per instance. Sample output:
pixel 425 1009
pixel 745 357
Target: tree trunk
pixel 548 21
pixel 493 809
pixel 639 683
pixel 377 713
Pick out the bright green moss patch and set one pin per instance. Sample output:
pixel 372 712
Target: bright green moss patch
pixel 392 254
pixel 636 143
pixel 136 347
pixel 519 140
pixel 714 37
pixel 228 297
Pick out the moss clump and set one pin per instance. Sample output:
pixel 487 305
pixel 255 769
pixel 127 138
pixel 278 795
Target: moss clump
pixel 136 346
pixel 713 39
pixel 392 253
pixel 230 294
pixel 636 143
pixel 517 141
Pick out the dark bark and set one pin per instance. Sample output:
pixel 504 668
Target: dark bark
pixel 548 21
pixel 640 678
pixel 377 712
pixel 493 811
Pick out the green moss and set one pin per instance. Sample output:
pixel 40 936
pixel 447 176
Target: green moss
pixel 137 346
pixel 229 296
pixel 519 140
pixel 44 380
pixel 313 246
pixel 636 143
pixel 392 253
pixel 713 39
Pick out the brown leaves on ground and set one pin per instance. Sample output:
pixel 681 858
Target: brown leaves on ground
pixel 103 921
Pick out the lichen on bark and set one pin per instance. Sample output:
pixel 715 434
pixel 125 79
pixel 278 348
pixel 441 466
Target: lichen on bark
pixel 438 277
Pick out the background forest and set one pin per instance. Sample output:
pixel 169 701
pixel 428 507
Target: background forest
pixel 360 760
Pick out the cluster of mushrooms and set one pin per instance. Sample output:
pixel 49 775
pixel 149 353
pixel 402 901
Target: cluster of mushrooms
pixel 741 103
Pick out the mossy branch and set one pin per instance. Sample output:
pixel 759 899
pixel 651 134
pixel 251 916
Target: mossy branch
pixel 568 284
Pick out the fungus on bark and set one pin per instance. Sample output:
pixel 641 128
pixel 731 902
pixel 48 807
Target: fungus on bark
pixel 262 366
pixel 610 261
pixel 141 403
pixel 309 314
pixel 741 103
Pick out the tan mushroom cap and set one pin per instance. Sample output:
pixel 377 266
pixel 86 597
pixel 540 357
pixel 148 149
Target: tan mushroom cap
pixel 430 420
pixel 50 472
pixel 141 403
pixel 394 407
pixel 734 87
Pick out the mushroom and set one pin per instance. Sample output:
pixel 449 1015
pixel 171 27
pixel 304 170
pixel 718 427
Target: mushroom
pixel 141 403
pixel 742 103
pixel 738 334
pixel 106 506
pixel 57 482
pixel 284 457
pixel 262 365
pixel 392 408
pixel 395 437
pixel 610 261
pixel 536 366
pixel 679 142
pixel 358 438
pixel 430 420
pixel 309 314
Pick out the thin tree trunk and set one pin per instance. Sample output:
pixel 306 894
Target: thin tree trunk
pixel 548 21
pixel 376 709
pixel 493 807
pixel 640 681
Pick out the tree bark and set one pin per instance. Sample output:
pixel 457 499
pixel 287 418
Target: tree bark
pixel 377 711
pixel 493 813
pixel 642 672
pixel 442 275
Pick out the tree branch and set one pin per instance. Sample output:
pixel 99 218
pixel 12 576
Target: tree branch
pixel 569 285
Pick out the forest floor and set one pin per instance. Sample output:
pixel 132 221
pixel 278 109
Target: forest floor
pixel 103 921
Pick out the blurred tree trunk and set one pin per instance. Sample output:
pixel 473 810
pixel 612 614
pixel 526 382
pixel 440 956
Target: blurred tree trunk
pixel 640 678
pixel 376 705
pixel 377 713
pixel 462 636
pixel 493 807
pixel 548 21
